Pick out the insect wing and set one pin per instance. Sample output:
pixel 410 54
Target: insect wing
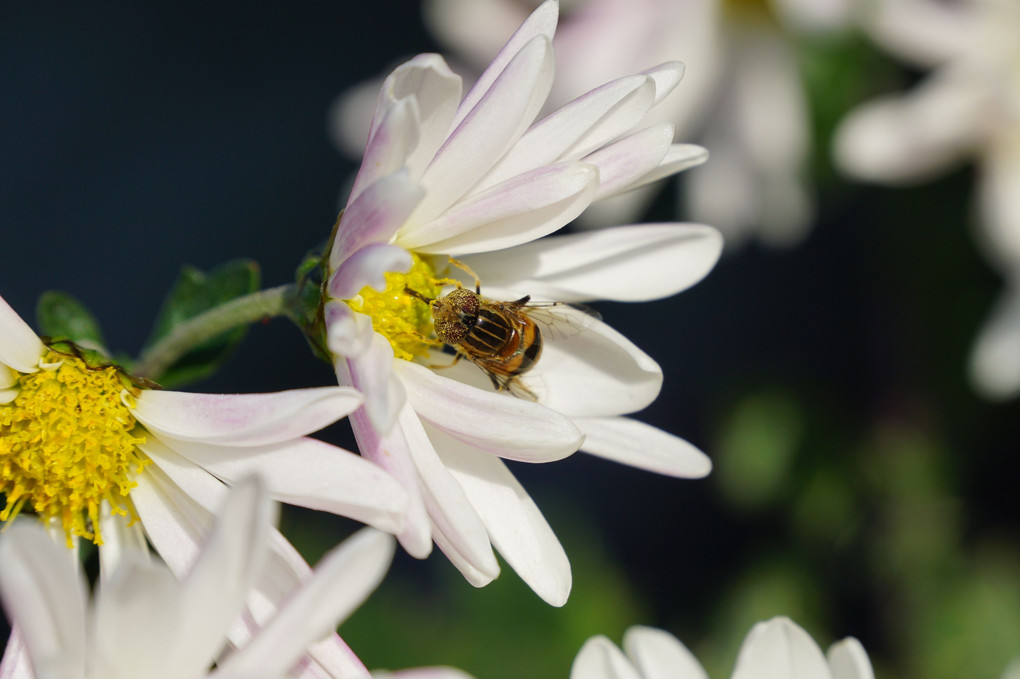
pixel 560 320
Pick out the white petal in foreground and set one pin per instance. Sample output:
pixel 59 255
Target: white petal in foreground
pixel 995 358
pixel 641 445
pixel 659 655
pixel 371 372
pixel 367 266
pixel 780 649
pixel 243 419
pixel 599 658
pixel 20 347
pixel 626 264
pixel 375 215
pixel 849 660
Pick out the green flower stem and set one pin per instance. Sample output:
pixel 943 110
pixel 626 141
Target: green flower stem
pixel 199 329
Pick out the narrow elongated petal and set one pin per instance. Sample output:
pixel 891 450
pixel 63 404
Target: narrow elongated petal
pixel 660 655
pixel 371 373
pixel 849 660
pixel 122 539
pixel 393 138
pixel 44 595
pixel 678 158
pixel 599 658
pixel 498 120
pixel 626 264
pixel 514 428
pixel 368 266
pixel 309 473
pixel 593 373
pixel 995 357
pixel 448 507
pixel 666 77
pixel 475 577
pixel 243 419
pixel 348 333
pixel 375 215
pixel 999 200
pixel 780 649
pixel 519 210
pixel 15 663
pixel 625 163
pixel 341 582
pixel 516 526
pixel 640 445
pixel 20 347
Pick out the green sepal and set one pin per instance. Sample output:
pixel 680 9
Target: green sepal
pixel 307 304
pixel 193 293
pixel 61 315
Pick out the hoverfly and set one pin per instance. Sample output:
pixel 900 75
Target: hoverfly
pixel 504 339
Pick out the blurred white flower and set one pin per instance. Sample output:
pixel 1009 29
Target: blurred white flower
pixel 446 176
pixel 968 107
pixel 144 622
pixel 91 453
pixel 741 92
pixel 776 649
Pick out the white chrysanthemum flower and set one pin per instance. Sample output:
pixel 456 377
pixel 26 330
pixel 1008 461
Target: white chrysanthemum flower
pixel 776 649
pixel 968 107
pixel 91 453
pixel 742 93
pixel 445 176
pixel 144 622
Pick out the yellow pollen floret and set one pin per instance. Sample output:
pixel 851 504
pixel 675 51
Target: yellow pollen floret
pixel 67 443
pixel 402 319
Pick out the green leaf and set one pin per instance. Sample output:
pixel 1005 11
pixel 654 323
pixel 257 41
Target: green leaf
pixel 194 293
pixel 61 315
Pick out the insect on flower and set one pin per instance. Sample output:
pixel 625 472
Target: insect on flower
pixel 503 338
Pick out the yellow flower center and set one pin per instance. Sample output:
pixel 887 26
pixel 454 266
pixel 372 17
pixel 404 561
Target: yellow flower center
pixel 68 442
pixel 402 319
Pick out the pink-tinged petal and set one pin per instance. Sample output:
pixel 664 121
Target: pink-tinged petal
pixel 995 358
pixel 491 128
pixel 372 374
pixel 641 445
pixel 599 658
pixel 578 128
pixel 20 347
pixel 659 655
pixel 392 140
pixel 626 264
pixel 368 266
pixel 848 660
pixel 624 164
pixel 516 526
pixel 44 595
pixel 390 451
pixel 494 422
pixel 596 372
pixel 243 419
pixel 666 77
pixel 541 23
pixel 375 215
pixel 999 199
pixel 678 158
pixel 449 509
pixel 779 649
pixel 521 209
pixel 310 473
pixel 15 663
pixel 341 582
pixel 912 138
pixel 348 333
pixel 475 577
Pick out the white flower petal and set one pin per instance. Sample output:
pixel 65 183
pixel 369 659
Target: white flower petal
pixel 496 423
pixel 780 649
pixel 423 673
pixel 375 215
pixel 122 539
pixel 243 419
pixel 367 266
pixel 849 660
pixel 627 263
pixel 498 120
pixel 624 164
pixel 44 595
pixel 15 663
pixel 392 140
pixel 999 199
pixel 475 577
pixel 541 22
pixel 372 374
pixel 521 209
pixel 678 158
pixel 659 655
pixel 450 511
pixel 8 378
pixel 516 526
pixel 995 358
pixel 310 473
pixel 20 347
pixel 666 77
pixel 593 373
pixel 348 333
pixel 341 582
pixel 641 445
pixel 925 32
pixel 599 658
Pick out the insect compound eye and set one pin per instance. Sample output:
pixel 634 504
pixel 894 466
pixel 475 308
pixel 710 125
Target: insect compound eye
pixel 466 300
pixel 450 332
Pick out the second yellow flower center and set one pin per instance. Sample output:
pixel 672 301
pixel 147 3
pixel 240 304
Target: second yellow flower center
pixel 68 443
